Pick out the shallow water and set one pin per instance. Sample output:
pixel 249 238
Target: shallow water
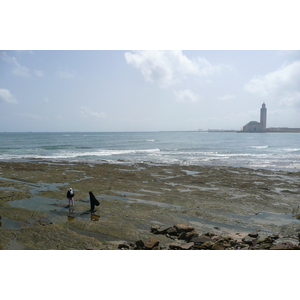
pixel 8 223
pixel 246 223
pixel 133 200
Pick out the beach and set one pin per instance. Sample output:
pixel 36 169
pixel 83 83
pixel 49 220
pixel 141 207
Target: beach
pixel 222 200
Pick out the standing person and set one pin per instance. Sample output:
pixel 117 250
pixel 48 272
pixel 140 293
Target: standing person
pixel 93 202
pixel 70 196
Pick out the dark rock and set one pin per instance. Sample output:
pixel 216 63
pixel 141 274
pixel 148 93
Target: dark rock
pixel 225 239
pixel 190 235
pixel 154 228
pixel 187 236
pixel 124 246
pixel 218 246
pixel 262 246
pixel 173 237
pixel 207 245
pixel 182 235
pixel 209 234
pixel 249 240
pixel 163 229
pixel 184 227
pixel 174 246
pixel 172 231
pixel 140 244
pixel 274 236
pixel 153 242
pixel 253 234
pixel 186 246
pixel 279 247
pixel 201 239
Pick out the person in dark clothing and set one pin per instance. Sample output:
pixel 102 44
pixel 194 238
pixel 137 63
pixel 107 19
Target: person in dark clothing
pixel 93 202
pixel 70 196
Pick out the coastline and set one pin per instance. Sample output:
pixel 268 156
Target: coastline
pixel 228 201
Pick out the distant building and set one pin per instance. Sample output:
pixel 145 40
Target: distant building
pixel 255 126
pixel 263 117
pixel 261 126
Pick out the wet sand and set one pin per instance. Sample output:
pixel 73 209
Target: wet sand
pixel 222 200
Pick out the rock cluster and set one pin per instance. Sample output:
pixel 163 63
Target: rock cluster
pixel 186 238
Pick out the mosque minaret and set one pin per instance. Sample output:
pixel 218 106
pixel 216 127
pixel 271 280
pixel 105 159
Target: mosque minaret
pixel 263 117
pixel 261 126
pixel 255 126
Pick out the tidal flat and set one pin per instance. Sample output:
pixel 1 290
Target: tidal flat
pixel 229 201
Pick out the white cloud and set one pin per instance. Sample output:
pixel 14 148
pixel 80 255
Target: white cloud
pixel 66 73
pixel 292 100
pixel 282 84
pixel 18 70
pixel 227 97
pixel 39 73
pixel 169 67
pixel 186 96
pixel 6 96
pixel 88 112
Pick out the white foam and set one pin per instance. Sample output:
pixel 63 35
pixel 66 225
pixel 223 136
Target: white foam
pixel 258 147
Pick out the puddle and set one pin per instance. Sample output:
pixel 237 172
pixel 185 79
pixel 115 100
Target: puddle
pixel 248 222
pixel 8 223
pixel 56 209
pixel 148 191
pixel 37 203
pixel 266 218
pixel 128 193
pixel 9 188
pixel 133 200
pixel 193 173
pixel 273 218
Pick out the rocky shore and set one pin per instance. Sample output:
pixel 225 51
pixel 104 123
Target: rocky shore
pixel 138 203
pixel 186 238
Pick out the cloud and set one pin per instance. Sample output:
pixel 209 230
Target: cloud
pixel 227 97
pixel 18 69
pixel 88 112
pixel 169 67
pixel 6 96
pixel 282 84
pixel 38 73
pixel 66 73
pixel 185 96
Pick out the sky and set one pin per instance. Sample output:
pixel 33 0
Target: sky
pixel 115 90
pixel 80 77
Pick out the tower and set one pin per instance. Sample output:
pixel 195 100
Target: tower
pixel 263 117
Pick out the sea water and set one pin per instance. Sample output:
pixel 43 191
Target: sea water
pixel 253 150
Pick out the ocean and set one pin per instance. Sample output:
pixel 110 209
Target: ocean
pixel 278 151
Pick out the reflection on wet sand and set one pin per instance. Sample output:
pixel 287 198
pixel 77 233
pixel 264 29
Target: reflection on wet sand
pixel 95 217
pixel 71 216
